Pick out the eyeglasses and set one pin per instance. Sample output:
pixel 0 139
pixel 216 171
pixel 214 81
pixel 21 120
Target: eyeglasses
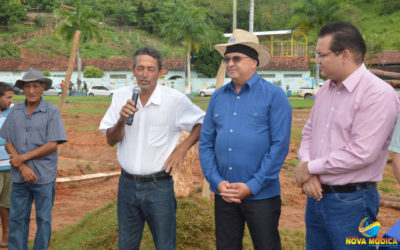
pixel 235 59
pixel 322 55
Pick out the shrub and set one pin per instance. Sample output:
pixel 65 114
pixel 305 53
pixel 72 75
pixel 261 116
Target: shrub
pixel 40 21
pixel 92 72
pixel 10 50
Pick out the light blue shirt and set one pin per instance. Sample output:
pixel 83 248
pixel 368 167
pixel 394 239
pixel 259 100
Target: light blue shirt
pixel 395 143
pixel 4 158
pixel 27 133
pixel 245 137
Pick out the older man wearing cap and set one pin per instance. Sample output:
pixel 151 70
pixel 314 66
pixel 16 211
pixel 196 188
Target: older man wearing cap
pixel 244 141
pixel 32 131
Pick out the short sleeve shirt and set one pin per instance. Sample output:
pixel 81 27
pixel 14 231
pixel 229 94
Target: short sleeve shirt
pixel 27 133
pixel 156 127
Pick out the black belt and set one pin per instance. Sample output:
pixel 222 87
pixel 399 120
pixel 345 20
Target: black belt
pixel 348 188
pixel 146 178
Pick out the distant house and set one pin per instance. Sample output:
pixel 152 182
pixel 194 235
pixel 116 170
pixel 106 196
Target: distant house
pixel 117 71
pixel 388 60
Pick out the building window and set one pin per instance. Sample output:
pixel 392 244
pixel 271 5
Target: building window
pixel 117 76
pixel 292 75
pixel 267 75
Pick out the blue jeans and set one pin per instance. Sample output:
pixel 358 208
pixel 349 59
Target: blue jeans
pixel 22 197
pixel 153 202
pixel 337 216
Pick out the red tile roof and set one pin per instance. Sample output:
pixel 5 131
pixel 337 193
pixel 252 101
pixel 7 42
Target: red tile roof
pixel 387 57
pixel 123 64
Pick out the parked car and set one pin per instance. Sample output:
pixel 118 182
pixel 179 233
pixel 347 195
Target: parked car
pixel 307 92
pixel 17 91
pixel 53 90
pixel 99 90
pixel 206 91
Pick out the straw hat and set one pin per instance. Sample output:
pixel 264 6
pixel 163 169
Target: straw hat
pixel 34 75
pixel 248 39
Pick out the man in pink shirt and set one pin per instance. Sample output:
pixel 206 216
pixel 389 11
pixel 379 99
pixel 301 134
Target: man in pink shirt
pixel 345 142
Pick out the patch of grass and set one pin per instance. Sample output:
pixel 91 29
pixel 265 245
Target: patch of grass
pixel 195 230
pixel 115 44
pixel 98 230
pixel 17 29
pixel 301 103
pixel 87 109
pixel 70 99
pixel 201 102
pixel 292 238
pixel 292 162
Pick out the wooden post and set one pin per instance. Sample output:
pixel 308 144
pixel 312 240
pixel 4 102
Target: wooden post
pixel 220 82
pixel 71 63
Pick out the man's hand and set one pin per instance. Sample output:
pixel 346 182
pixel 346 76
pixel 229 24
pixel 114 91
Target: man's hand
pixel 175 160
pixel 301 173
pixel 27 173
pixel 16 160
pixel 312 187
pixel 128 109
pixel 228 193
pixel 243 190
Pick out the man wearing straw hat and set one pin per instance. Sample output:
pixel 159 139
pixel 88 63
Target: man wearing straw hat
pixel 244 141
pixel 32 131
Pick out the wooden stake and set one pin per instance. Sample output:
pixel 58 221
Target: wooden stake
pixel 71 63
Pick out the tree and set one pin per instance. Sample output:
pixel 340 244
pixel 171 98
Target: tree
pixel 83 19
pixel 187 27
pixel 207 60
pixel 313 14
pixel 92 72
pixel 44 5
pixel 11 12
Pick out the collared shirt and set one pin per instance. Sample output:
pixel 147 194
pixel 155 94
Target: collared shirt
pixel 347 136
pixel 27 133
pixel 4 158
pixel 156 127
pixel 245 137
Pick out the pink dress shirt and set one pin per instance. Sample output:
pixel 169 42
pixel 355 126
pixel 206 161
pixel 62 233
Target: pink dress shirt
pixel 347 136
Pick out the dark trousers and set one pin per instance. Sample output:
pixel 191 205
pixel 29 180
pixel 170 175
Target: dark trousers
pixel 262 217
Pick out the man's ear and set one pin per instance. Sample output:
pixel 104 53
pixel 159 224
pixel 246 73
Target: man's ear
pixel 347 55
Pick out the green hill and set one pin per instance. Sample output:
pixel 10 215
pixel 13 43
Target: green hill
pixel 377 21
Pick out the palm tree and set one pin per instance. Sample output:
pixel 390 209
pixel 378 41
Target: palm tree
pixel 83 19
pixel 187 28
pixel 313 14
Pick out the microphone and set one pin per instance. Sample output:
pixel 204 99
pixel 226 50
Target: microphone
pixel 135 97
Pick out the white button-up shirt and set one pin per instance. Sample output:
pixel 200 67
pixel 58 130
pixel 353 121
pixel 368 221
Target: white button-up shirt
pixel 155 130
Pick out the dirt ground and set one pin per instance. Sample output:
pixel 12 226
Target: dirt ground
pixel 87 152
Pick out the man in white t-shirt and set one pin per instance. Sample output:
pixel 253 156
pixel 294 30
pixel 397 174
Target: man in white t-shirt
pixel 147 151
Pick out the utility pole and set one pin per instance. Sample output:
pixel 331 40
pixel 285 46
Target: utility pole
pixel 234 15
pixel 251 18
